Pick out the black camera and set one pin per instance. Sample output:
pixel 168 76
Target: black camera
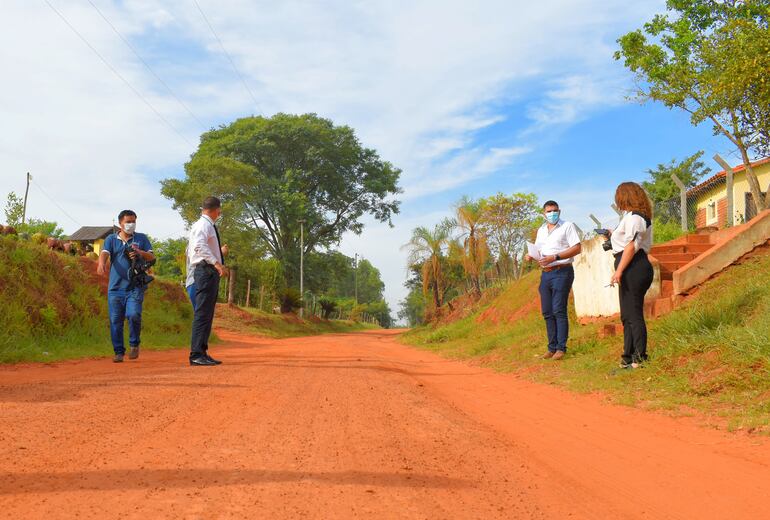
pixel 138 277
pixel 606 245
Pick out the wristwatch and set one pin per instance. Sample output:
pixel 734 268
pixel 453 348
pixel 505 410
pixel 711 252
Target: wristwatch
pixel 557 257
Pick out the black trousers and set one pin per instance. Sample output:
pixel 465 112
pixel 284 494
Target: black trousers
pixel 636 280
pixel 207 290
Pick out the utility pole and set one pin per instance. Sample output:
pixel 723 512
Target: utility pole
pixel 26 194
pixel 301 267
pixel 355 277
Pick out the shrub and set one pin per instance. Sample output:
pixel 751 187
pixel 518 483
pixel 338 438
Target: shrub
pixel 290 300
pixel 328 307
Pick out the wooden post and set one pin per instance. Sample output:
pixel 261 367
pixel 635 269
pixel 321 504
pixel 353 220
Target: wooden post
pixel 682 200
pixel 231 287
pixel 730 195
pixel 261 296
pixel 248 293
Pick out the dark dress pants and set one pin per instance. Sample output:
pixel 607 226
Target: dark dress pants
pixel 636 280
pixel 554 295
pixel 206 292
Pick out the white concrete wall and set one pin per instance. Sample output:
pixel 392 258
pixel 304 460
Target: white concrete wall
pixel 593 269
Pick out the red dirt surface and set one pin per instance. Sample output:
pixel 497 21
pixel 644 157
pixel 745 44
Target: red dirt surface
pixel 350 426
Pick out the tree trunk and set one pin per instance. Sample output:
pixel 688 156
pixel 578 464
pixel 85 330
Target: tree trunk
pixel 231 287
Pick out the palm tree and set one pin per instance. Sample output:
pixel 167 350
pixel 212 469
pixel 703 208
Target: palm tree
pixel 426 248
pixel 470 216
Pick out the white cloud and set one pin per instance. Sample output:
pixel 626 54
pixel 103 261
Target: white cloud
pixel 421 81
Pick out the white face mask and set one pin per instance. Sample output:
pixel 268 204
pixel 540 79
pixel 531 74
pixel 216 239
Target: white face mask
pixel 129 227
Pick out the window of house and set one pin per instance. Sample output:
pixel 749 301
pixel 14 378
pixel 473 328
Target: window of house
pixel 711 212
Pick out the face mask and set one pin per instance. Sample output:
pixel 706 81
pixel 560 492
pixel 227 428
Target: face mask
pixel 552 217
pixel 129 227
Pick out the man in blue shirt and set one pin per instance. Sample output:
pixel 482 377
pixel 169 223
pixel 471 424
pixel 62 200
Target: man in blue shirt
pixel 124 300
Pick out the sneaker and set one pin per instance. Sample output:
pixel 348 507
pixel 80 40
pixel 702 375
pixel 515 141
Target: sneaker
pixel 628 366
pixel 134 352
pixel 558 355
pixel 548 355
pixel 118 358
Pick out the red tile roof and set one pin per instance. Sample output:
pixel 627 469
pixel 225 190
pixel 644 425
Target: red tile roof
pixel 721 177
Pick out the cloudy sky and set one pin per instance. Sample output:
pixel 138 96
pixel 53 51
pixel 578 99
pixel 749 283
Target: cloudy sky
pixel 101 99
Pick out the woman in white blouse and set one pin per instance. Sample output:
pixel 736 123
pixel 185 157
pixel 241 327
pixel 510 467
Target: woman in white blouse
pixel 631 241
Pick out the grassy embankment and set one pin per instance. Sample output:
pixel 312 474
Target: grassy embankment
pixel 55 307
pixel 252 321
pixel 710 357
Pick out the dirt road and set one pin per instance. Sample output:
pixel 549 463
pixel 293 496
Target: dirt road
pixel 349 426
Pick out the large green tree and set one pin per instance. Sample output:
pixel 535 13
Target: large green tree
pixel 661 186
pixel 509 221
pixel 273 172
pixel 710 59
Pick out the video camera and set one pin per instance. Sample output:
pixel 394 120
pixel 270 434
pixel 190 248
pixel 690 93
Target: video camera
pixel 606 245
pixel 138 277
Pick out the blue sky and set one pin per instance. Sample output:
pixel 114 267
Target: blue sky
pixel 466 98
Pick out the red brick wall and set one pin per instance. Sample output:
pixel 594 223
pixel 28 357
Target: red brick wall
pixel 700 218
pixel 722 212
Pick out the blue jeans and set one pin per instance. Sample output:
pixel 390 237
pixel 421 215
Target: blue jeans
pixel 191 293
pixel 125 305
pixel 554 295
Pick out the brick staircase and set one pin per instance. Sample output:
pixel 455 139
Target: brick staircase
pixel 672 257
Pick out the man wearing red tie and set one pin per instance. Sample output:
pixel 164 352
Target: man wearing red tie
pixel 204 256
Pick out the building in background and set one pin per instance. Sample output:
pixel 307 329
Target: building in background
pixel 710 196
pixel 91 238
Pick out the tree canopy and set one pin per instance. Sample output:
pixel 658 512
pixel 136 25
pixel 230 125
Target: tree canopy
pixel 710 59
pixel 273 172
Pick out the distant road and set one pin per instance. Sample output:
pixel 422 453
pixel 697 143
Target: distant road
pixel 350 426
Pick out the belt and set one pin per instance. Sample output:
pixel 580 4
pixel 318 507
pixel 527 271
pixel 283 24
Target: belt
pixel 555 267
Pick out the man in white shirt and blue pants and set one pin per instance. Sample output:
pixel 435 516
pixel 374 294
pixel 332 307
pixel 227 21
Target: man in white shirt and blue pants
pixel 204 258
pixel 558 242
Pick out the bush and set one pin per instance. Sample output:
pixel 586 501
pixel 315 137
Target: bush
pixel 665 231
pixel 290 300
pixel 328 307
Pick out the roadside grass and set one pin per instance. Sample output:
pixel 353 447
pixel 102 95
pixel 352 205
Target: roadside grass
pixel 709 358
pixel 55 307
pixel 253 321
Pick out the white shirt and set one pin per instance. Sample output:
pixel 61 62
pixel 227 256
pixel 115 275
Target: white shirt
pixel 631 228
pixel 563 236
pixel 202 246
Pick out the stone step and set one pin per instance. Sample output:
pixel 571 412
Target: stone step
pixel 668 258
pixel 663 249
pixel 698 239
pixel 666 288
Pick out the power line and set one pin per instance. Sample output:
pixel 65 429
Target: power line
pixel 54 202
pixel 237 72
pixel 147 66
pixel 119 75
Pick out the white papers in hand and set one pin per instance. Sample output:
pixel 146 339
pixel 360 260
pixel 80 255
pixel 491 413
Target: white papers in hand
pixel 533 251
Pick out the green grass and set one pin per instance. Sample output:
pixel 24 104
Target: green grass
pixel 253 321
pixel 710 357
pixel 54 307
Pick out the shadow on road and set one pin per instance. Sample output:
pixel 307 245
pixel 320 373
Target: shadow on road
pixel 108 480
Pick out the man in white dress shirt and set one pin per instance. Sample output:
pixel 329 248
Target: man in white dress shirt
pixel 558 242
pixel 205 260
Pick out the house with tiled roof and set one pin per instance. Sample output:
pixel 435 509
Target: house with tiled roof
pixel 710 196
pixel 91 238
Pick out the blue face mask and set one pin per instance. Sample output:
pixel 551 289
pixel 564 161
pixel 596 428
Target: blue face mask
pixel 552 217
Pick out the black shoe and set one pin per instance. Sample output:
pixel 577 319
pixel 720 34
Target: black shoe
pixel 118 358
pixel 216 361
pixel 202 361
pixel 134 352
